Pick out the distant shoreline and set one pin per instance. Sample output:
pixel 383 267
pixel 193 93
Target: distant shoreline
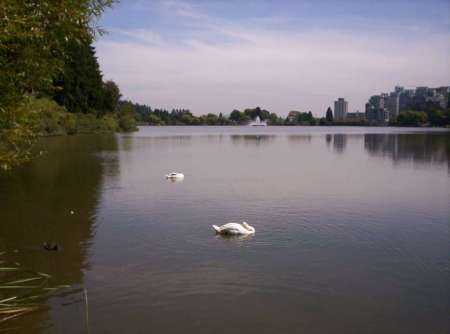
pixel 295 126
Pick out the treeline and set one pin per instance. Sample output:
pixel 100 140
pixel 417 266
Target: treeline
pixel 429 114
pixel 425 114
pixel 81 90
pixel 51 82
pixel 147 115
pixel 79 100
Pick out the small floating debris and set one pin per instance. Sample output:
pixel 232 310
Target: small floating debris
pixel 175 176
pixel 72 212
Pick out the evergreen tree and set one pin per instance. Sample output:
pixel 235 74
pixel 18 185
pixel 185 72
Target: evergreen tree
pixel 329 115
pixel 80 87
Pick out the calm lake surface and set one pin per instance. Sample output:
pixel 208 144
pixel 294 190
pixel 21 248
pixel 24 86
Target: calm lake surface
pixel 352 230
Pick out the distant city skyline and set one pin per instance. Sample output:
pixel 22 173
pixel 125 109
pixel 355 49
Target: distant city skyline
pixel 340 109
pixel 216 56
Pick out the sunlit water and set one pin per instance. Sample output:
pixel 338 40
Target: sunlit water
pixel 352 230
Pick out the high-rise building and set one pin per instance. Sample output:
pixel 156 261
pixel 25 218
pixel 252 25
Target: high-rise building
pixel 399 89
pixel 376 111
pixel 340 109
pixel 380 109
pixel 356 116
pixel 377 101
pixel 392 103
pixel 406 99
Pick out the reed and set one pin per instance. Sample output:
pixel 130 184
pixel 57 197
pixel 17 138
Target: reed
pixel 22 291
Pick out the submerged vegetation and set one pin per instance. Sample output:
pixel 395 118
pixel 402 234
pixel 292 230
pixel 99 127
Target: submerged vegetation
pixel 22 291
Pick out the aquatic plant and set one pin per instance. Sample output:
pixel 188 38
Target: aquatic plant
pixel 22 291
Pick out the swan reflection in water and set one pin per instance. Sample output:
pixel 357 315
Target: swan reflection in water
pixel 235 239
pixel 175 180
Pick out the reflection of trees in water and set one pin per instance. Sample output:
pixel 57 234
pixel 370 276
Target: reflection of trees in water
pixel 419 148
pixel 339 142
pixel 252 139
pixel 134 143
pixel 35 204
pixel 300 138
pixel 328 139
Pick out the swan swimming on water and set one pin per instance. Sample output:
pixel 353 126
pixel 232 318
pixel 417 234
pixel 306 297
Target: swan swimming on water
pixel 235 229
pixel 175 176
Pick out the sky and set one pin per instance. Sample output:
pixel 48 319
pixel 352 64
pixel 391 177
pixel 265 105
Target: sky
pixel 219 55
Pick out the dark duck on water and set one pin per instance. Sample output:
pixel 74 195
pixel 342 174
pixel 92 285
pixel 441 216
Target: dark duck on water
pixel 51 246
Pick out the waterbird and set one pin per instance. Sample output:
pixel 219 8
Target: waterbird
pixel 234 229
pixel 51 246
pixel 175 176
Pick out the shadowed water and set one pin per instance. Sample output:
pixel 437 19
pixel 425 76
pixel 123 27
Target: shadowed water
pixel 352 230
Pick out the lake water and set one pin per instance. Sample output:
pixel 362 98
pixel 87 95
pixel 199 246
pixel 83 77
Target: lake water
pixel 352 230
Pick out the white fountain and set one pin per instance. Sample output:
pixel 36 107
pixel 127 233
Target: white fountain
pixel 258 122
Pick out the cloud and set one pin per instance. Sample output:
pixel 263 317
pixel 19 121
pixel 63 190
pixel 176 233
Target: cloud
pixel 222 65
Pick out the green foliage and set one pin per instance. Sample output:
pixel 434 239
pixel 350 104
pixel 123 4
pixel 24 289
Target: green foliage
pixel 257 112
pixel 350 122
pixel 111 96
pixel 127 123
pixel 436 114
pixel 23 291
pixel 46 118
pixel 35 36
pixel 239 118
pixel 154 120
pixel 438 117
pixel 80 87
pixel 127 117
pixel 329 115
pixel 211 119
pixel 32 117
pixel 433 117
pixel 274 119
pixel 108 123
pixel 15 145
pixel 49 117
pixel 300 118
pixel 412 118
pixel 86 123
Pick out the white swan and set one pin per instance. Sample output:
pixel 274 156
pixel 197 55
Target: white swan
pixel 175 175
pixel 234 229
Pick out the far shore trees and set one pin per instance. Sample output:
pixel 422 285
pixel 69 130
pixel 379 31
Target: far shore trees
pixel 329 115
pixel 147 115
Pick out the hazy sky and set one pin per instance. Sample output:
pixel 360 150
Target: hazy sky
pixel 216 56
